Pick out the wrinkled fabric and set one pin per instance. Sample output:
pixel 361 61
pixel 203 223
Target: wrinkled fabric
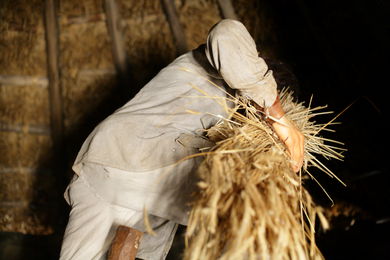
pixel 93 222
pixel 142 135
pixel 232 52
pixel 134 158
pixel 160 191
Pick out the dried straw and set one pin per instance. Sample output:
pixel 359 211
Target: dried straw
pixel 250 204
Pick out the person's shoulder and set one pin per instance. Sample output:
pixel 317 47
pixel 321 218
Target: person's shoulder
pixel 182 59
pixel 191 61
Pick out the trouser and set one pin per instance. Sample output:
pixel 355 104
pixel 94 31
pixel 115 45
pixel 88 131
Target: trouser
pixel 93 222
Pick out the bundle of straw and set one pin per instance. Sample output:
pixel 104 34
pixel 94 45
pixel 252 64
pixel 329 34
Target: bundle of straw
pixel 250 204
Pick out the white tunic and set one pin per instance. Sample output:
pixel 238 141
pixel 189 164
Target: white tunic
pixel 130 159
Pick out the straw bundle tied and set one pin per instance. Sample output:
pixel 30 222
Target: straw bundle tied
pixel 250 204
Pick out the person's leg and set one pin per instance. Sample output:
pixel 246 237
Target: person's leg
pixel 156 247
pixel 92 224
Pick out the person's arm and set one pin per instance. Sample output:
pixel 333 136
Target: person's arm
pixel 232 52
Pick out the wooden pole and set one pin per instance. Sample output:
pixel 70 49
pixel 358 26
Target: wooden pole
pixel 176 28
pixel 115 31
pixel 53 71
pixel 125 244
pixel 59 156
pixel 227 9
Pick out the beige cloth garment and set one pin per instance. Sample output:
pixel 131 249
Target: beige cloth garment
pixel 232 51
pixel 140 135
pixel 136 150
pixel 94 221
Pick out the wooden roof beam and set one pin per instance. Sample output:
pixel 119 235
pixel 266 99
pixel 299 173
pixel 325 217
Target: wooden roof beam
pixel 53 71
pixel 227 9
pixel 176 28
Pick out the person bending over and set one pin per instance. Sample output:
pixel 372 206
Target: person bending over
pixel 129 161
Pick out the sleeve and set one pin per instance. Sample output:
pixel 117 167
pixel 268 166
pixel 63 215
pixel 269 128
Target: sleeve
pixel 232 52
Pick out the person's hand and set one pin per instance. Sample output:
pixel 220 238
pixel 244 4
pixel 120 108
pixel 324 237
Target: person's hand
pixel 293 139
pixel 287 132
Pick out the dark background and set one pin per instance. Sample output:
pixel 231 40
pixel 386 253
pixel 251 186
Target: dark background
pixel 338 51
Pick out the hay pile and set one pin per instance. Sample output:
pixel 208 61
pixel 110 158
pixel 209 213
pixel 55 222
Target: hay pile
pixel 251 205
